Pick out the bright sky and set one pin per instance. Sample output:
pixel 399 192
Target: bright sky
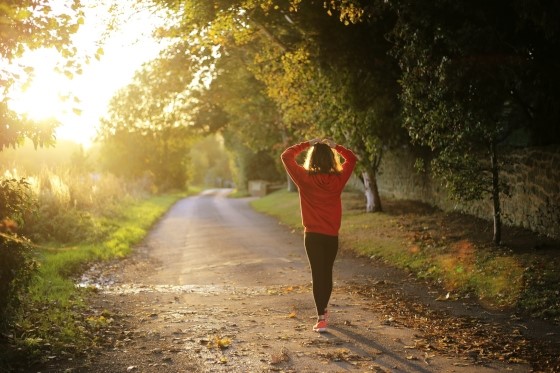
pixel 124 51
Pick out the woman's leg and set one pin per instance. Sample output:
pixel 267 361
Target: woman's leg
pixel 321 253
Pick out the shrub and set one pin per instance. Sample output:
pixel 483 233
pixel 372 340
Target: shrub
pixel 16 262
pixel 71 206
pixel 16 268
pixel 15 200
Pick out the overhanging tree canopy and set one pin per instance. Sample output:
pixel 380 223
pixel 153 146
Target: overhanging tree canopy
pixel 324 77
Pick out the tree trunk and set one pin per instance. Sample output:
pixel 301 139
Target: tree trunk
pixel 497 239
pixel 373 201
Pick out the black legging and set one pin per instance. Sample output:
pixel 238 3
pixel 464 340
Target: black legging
pixel 321 253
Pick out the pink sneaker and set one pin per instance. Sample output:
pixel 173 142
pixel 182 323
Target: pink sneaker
pixel 321 326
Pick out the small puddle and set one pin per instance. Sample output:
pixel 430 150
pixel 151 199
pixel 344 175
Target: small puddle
pixel 109 287
pixel 106 284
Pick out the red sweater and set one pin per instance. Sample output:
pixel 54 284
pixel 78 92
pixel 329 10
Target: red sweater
pixel 319 194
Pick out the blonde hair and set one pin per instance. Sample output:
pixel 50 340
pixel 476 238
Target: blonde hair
pixel 322 159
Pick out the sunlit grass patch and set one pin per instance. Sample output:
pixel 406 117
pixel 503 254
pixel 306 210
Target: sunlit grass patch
pixel 541 296
pixel 283 205
pixel 236 193
pixel 499 279
pixel 494 278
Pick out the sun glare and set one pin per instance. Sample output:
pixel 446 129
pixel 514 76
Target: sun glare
pixel 79 102
pixel 43 98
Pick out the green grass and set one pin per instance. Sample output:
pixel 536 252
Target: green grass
pixel 283 205
pixel 236 193
pixel 497 276
pixel 54 315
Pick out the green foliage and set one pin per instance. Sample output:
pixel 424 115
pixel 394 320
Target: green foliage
pixel 459 82
pixel 34 23
pixel 15 200
pixel 63 203
pixel 58 208
pixel 471 76
pixel 248 164
pixel 147 133
pixel 467 78
pixel 470 83
pixel 465 177
pixel 252 118
pixel 235 104
pixel 210 163
pixel 17 265
pixel 15 129
pixel 335 78
pixel 64 226
pixel 160 157
pixel 62 207
pixel 16 262
pixel 68 204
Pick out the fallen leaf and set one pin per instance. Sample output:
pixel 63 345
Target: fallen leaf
pixel 221 343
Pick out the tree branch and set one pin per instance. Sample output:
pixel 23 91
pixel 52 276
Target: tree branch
pixel 270 36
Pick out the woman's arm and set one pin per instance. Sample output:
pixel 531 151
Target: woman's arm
pixel 349 161
pixel 289 159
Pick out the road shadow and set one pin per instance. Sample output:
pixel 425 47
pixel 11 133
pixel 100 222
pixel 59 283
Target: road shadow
pixel 386 358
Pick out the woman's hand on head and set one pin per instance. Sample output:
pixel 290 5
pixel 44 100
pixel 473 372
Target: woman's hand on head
pixel 314 141
pixel 329 142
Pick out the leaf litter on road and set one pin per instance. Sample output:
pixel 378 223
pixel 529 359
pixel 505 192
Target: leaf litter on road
pixel 469 337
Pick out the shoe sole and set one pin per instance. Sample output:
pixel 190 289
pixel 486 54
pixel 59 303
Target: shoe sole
pixel 320 330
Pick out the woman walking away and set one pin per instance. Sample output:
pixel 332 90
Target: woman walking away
pixel 320 182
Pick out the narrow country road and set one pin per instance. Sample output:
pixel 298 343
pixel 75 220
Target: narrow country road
pixel 217 287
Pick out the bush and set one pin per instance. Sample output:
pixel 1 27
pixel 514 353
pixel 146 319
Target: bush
pixel 16 262
pixel 71 206
pixel 15 200
pixel 63 226
pixel 16 268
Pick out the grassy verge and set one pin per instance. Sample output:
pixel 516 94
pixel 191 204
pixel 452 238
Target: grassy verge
pixel 435 246
pixel 236 193
pixel 54 318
